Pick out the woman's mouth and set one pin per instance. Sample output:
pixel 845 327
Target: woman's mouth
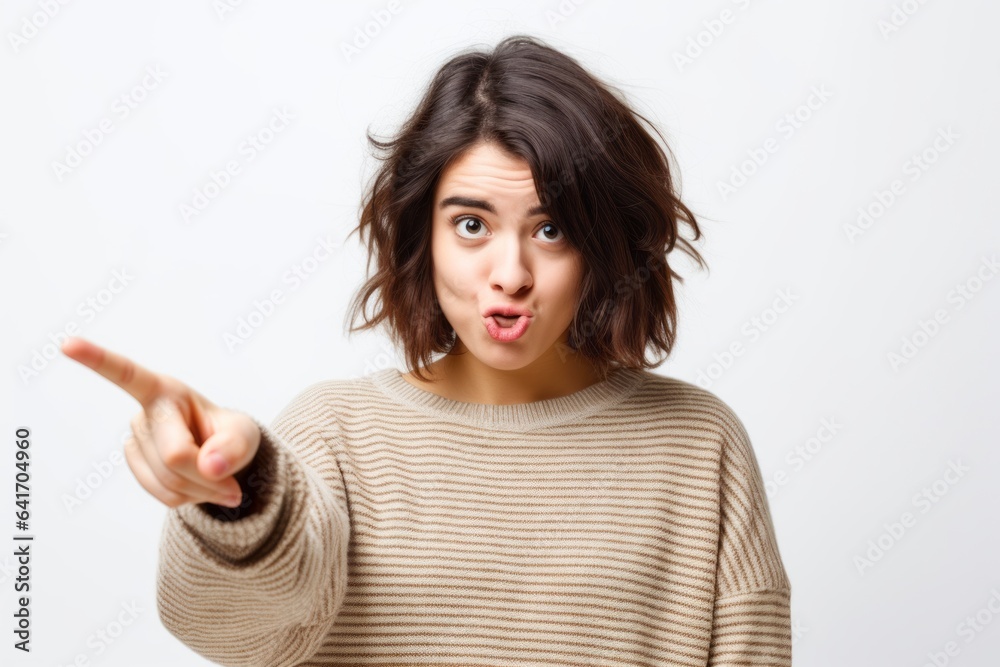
pixel 506 329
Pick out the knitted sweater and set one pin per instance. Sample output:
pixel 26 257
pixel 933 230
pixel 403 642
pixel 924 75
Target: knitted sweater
pixel 623 524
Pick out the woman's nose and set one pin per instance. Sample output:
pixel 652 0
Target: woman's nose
pixel 510 271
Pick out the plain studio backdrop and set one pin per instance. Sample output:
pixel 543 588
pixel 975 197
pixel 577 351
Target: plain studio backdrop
pixel 178 182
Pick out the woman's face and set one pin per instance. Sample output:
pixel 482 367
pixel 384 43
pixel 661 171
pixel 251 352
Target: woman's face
pixel 507 256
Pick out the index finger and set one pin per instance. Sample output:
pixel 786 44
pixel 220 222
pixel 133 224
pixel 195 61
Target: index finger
pixel 141 383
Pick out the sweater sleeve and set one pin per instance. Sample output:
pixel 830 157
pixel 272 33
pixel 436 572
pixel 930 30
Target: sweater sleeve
pixel 263 587
pixel 752 613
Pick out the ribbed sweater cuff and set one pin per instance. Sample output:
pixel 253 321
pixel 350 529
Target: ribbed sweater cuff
pixel 235 533
pixel 752 628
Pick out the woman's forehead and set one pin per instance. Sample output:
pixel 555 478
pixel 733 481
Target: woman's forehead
pixel 488 160
pixel 486 175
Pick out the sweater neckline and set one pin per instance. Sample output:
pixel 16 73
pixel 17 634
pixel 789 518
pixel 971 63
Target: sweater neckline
pixel 618 384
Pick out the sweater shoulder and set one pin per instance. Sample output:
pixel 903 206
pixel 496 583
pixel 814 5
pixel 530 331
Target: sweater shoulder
pixel 339 393
pixel 680 398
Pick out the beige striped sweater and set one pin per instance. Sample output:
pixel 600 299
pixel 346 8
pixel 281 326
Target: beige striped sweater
pixel 624 524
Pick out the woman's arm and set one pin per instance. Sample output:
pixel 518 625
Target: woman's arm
pixel 262 585
pixel 751 626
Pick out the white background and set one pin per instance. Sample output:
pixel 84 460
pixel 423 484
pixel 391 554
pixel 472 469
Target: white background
pixel 855 298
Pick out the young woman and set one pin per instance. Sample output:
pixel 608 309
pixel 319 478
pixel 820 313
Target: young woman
pixel 534 496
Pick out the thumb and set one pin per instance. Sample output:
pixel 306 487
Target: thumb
pixel 230 448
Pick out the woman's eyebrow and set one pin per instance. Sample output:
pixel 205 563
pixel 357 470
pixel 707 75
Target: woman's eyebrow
pixel 470 202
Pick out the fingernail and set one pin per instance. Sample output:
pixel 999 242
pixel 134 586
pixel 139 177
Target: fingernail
pixel 234 500
pixel 216 463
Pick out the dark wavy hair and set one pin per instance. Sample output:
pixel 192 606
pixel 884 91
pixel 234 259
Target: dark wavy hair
pixel 602 177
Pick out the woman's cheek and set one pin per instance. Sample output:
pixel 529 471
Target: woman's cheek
pixel 460 280
pixel 454 304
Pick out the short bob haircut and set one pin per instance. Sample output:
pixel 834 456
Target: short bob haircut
pixel 603 179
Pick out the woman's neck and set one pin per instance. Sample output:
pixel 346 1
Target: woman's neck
pixel 461 377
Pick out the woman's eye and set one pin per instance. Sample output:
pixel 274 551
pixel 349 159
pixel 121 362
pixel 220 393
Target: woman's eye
pixel 468 223
pixel 550 226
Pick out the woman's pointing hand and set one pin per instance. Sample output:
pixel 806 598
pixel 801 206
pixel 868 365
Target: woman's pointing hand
pixel 184 448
